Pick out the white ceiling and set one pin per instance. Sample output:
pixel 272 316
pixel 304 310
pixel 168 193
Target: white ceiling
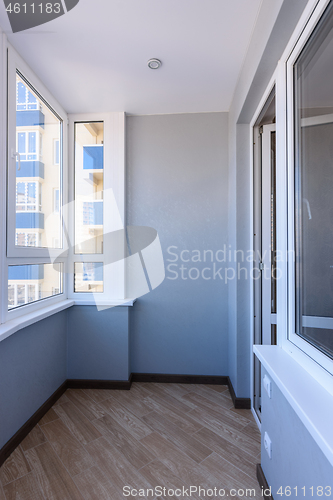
pixel 94 58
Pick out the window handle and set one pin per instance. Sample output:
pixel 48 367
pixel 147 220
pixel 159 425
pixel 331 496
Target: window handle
pixel 17 155
pixel 308 207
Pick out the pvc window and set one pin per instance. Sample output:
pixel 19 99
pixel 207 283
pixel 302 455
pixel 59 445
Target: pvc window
pixel 97 191
pixel 310 189
pixel 36 194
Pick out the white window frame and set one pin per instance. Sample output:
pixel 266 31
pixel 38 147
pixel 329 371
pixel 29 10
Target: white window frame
pixel 15 62
pixel 320 365
pixel 114 183
pixel 26 255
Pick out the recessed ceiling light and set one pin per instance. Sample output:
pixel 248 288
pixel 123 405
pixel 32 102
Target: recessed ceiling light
pixel 154 63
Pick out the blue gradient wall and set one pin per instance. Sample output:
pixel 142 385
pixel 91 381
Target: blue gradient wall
pixel 32 368
pixel 178 184
pixel 98 345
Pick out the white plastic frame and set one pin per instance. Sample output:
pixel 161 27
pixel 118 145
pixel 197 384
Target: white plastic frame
pixel 113 207
pixel 314 356
pixel 16 63
pixel 22 255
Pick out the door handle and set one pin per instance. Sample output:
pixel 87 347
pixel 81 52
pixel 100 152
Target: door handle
pixel 17 155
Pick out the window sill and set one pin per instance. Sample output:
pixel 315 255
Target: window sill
pixel 14 325
pixel 310 400
pixel 105 303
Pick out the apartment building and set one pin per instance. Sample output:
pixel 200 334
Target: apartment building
pixel 169 223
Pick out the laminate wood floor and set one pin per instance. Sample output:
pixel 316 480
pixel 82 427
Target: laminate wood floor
pixel 92 443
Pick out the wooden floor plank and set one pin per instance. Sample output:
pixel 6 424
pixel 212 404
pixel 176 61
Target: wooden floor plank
pixel 53 479
pixel 34 438
pixel 230 476
pixel 115 466
pixel 138 390
pixel 162 392
pixel 14 467
pixel 25 488
pixel 2 495
pixel 183 420
pixel 159 476
pixel 132 449
pixel 72 454
pixel 80 426
pixel 50 416
pixel 180 464
pixel 252 430
pixel 63 399
pixel 98 395
pixel 133 402
pixel 231 433
pixel 216 388
pixel 94 485
pixel 243 413
pixel 219 412
pixel 175 390
pixel 188 444
pixel 126 418
pixel 215 398
pixel 233 454
pixel 85 404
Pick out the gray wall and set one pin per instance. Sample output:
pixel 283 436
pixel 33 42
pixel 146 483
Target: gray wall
pixel 178 184
pixel 98 345
pixel 32 368
pixel 296 458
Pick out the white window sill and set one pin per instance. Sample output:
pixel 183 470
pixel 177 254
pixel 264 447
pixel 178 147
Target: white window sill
pixel 14 325
pixel 310 400
pixel 105 303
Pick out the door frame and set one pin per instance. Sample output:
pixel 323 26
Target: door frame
pixel 275 83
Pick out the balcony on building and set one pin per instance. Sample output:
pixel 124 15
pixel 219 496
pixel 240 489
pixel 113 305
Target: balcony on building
pixel 29 272
pixel 93 213
pixel 30 169
pixel 30 220
pixel 30 118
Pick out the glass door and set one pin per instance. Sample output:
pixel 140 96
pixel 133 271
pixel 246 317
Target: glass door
pixel 265 283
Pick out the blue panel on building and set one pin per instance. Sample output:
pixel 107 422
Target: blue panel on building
pixel 93 157
pixel 30 220
pixel 29 118
pixel 98 213
pixel 30 169
pixel 29 272
pixel 92 213
pixel 93 271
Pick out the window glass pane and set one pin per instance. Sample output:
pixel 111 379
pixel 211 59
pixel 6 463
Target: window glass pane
pixel 56 152
pixel 21 143
pixel 314 187
pixel 37 129
pixel 29 283
pixel 89 168
pixel 21 93
pixel 88 277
